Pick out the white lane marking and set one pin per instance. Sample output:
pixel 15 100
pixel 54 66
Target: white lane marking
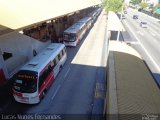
pixel 60 85
pixel 153 34
pixel 140 33
pixel 56 92
pixel 67 72
pixel 152 31
pixel 139 20
pixel 137 31
pixel 156 65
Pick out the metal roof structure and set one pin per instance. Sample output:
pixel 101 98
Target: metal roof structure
pixel 113 23
pixel 17 14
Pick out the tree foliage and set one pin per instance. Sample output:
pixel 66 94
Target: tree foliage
pixel 143 5
pixel 155 8
pixel 135 2
pixel 113 5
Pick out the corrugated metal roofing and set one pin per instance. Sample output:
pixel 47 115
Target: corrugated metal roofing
pixel 16 14
pixel 133 92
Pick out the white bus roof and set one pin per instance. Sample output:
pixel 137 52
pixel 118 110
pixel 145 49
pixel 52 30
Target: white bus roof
pixel 74 28
pixel 84 20
pixel 42 59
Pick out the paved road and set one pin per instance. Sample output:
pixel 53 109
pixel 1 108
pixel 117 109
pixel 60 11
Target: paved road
pixel 73 91
pixel 147 39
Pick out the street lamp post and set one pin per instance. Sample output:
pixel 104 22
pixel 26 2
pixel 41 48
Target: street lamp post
pixel 120 20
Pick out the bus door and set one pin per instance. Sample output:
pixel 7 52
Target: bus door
pixel 56 66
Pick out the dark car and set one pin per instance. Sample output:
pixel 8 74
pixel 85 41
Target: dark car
pixel 125 12
pixel 143 24
pixel 135 16
pixel 140 9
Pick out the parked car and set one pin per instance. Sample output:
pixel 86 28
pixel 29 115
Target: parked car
pixel 125 12
pixel 143 24
pixel 139 9
pixel 135 16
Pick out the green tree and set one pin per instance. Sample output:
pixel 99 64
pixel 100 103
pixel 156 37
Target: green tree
pixel 155 8
pixel 113 5
pixel 143 5
pixel 135 2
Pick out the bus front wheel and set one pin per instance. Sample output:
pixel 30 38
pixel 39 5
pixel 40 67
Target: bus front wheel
pixel 60 68
pixel 43 93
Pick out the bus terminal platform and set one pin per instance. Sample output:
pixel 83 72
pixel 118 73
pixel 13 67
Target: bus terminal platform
pixel 132 93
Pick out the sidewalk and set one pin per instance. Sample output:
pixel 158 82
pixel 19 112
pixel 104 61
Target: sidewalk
pixel 132 91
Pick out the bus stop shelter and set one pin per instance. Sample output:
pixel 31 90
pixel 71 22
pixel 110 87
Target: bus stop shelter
pixel 21 13
pixel 113 24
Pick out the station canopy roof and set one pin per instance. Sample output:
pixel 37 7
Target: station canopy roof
pixel 114 23
pixel 17 14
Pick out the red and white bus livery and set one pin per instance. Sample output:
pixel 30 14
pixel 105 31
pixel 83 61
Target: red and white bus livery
pixel 74 34
pixel 34 78
pixel 87 21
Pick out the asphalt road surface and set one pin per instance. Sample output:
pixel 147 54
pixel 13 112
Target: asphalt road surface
pixel 145 40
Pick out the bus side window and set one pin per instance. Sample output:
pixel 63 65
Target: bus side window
pixel 59 57
pixel 42 78
pixel 50 68
pixel 54 62
pixel 64 50
pixel 44 75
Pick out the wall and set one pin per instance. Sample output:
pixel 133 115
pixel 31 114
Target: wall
pixel 21 47
pixel 20 44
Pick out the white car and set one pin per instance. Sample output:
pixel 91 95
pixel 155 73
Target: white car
pixel 143 24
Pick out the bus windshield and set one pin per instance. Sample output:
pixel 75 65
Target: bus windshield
pixel 25 81
pixel 69 37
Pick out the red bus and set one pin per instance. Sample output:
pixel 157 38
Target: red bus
pixel 74 34
pixel 35 77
